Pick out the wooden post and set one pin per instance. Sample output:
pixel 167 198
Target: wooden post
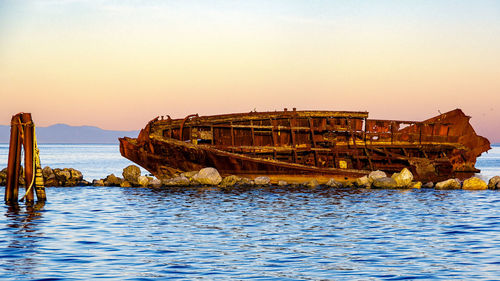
pixel 12 187
pixel 22 133
pixel 28 155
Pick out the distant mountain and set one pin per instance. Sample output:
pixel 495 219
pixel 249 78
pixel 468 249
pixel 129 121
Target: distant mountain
pixel 62 133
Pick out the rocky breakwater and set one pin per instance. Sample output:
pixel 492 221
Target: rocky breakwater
pixel 65 177
pixel 131 177
pixel 206 177
pixel 404 180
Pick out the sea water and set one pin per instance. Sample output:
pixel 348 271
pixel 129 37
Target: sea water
pixel 84 233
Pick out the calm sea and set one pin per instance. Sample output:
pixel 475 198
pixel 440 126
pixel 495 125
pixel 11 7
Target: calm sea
pixel 84 233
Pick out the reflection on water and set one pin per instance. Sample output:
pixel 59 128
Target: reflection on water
pixel 130 233
pixel 23 237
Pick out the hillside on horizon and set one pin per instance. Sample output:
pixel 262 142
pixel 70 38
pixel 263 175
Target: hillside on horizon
pixel 63 133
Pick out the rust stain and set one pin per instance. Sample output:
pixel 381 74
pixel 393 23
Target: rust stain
pixel 287 144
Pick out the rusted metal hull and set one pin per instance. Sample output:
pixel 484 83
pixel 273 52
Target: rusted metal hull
pixel 307 144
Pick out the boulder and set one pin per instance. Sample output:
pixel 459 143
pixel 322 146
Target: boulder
pixel 494 182
pixel 282 183
pixel 376 175
pixel 155 183
pixel 363 181
pixel 47 172
pixel 112 180
pixel 131 174
pixel 177 181
pixel 125 184
pixel 416 185
pixel 333 183
pixel 49 178
pixel 312 183
pixel 428 185
pixel 474 183
pixel 3 177
pixel 385 183
pixel 62 175
pixel 84 183
pixel 143 181
pixel 189 174
pixel 230 181
pixel 76 175
pixel 262 181
pixel 98 183
pixel 403 178
pixel 208 176
pixel 448 184
pixel 246 182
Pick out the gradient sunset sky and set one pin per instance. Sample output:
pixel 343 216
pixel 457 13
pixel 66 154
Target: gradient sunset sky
pixel 118 64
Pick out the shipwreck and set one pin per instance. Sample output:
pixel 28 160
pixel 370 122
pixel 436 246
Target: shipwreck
pixel 297 145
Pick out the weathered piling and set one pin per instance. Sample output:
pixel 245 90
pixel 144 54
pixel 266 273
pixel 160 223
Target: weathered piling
pixel 14 162
pixel 23 133
pixel 27 126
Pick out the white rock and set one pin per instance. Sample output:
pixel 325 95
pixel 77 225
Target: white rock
pixel 333 183
pixel 376 175
pixel 262 180
pixel 155 183
pixel 448 184
pixel 143 181
pixel 208 176
pixel 403 178
pixel 363 181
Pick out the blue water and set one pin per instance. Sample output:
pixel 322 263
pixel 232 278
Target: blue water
pixel 84 233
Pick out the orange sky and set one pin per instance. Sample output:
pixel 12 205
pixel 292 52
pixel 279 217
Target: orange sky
pixel 118 64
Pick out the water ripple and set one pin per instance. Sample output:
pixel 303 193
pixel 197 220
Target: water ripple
pixel 142 234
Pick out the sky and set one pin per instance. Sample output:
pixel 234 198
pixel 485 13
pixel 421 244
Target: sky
pixel 119 64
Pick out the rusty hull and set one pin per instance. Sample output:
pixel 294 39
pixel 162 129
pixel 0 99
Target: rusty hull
pixel 300 145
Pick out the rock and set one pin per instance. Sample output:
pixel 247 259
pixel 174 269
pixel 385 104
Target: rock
pixel 230 181
pixel 208 176
pixel 112 180
pixel 246 182
pixel 448 184
pixel 155 183
pixel 76 175
pixel 143 181
pixel 125 184
pixel 474 183
pixel 262 181
pixel 385 183
pixel 84 183
pixel 494 182
pixel 98 183
pixel 333 183
pixel 189 174
pixel 417 185
pixel 47 172
pixel 49 178
pixel 3 177
pixel 428 185
pixel 62 175
pixel 403 178
pixel 131 174
pixel 376 175
pixel 282 183
pixel 363 181
pixel 178 181
pixel 312 183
